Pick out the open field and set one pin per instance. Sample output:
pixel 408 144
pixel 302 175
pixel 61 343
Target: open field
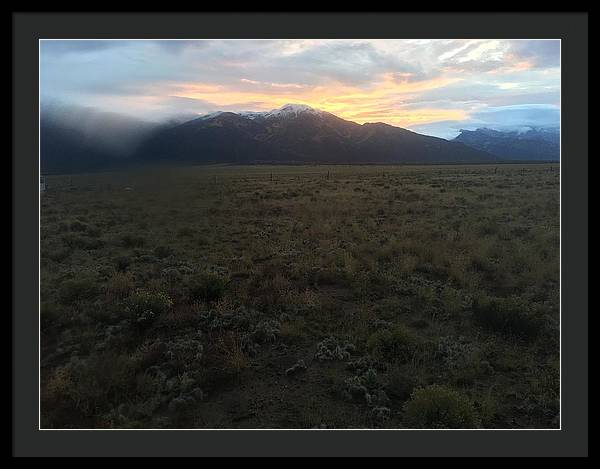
pixel 301 297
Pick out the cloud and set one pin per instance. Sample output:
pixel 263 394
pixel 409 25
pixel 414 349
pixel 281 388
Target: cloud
pixel 62 47
pixel 498 118
pixel 352 63
pixel 541 53
pixel 400 82
pixel 114 133
pixel 536 115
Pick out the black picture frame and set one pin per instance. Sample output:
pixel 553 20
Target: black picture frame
pixel 570 440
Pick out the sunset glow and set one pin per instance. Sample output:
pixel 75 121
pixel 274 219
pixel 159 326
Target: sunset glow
pixel 430 86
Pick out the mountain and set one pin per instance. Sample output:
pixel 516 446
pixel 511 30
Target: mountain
pixel 298 134
pixel 79 139
pixel 533 144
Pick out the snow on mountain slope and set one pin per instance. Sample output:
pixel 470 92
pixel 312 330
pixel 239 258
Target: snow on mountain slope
pixel 288 110
pixel 292 110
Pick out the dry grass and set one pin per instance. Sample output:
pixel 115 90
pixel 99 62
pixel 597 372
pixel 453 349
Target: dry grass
pixel 462 258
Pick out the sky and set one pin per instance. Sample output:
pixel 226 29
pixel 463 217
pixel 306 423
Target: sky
pixel 435 87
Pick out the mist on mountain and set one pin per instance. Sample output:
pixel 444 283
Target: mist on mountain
pixel 79 139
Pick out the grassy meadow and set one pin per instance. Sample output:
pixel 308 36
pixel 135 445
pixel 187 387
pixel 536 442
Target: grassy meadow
pixel 301 297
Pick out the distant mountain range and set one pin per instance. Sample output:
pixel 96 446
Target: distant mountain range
pixel 292 134
pixel 298 134
pixel 532 144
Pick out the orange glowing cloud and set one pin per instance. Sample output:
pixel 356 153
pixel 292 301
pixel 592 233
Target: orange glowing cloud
pixel 381 101
pixel 424 85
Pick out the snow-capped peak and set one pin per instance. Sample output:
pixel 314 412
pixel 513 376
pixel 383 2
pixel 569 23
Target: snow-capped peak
pixel 292 109
pixel 288 110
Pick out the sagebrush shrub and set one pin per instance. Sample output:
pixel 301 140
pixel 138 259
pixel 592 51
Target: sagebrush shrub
pixel 232 347
pixel 90 386
pixel 119 285
pixel 207 287
pixel 266 331
pixel 437 406
pixel 333 349
pixel 395 344
pixel 145 306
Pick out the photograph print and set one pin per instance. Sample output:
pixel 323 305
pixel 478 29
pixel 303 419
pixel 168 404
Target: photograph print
pixel 300 234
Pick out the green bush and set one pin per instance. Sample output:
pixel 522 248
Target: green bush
pixel 395 344
pixel 207 287
pixel 90 386
pixel 78 289
pixel 437 406
pixel 508 316
pixel 146 306
pixel 119 285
